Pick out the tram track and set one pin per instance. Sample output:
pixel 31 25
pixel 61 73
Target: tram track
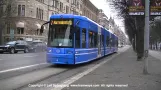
pixel 57 78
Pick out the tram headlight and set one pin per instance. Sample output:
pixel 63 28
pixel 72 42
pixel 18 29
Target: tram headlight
pixel 49 50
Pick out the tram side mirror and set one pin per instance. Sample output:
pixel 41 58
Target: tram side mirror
pixel 42 29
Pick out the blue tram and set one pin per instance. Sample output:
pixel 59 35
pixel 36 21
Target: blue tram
pixel 74 39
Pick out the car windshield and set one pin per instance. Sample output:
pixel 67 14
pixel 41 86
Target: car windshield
pixel 11 43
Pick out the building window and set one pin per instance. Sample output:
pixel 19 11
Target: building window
pixel 81 7
pixel 21 10
pixel 42 1
pixel 54 3
pixel 67 9
pixel 61 6
pixel 57 4
pixel 1 10
pixel 8 28
pixel 42 15
pixel 77 5
pixel 39 13
pixel 20 30
pixel 9 8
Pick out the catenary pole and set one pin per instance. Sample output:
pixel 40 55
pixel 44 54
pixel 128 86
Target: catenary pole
pixel 146 37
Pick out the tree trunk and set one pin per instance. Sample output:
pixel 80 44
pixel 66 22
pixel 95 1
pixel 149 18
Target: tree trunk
pixel 140 44
pixel 133 44
pixel 156 45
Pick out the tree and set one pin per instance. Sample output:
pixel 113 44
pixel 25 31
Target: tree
pixel 134 26
pixel 155 32
pixel 7 8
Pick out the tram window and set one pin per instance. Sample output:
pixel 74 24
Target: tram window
pixel 90 39
pixel 110 42
pixel 116 43
pixel 77 39
pixel 113 42
pixel 84 38
pixel 107 41
pixel 95 40
pixel 102 40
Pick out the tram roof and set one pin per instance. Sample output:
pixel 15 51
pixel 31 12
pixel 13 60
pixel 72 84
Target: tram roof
pixel 73 16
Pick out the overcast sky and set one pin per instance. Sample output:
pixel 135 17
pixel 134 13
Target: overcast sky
pixel 102 4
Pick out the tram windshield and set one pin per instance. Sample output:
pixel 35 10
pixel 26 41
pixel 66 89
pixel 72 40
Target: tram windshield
pixel 60 36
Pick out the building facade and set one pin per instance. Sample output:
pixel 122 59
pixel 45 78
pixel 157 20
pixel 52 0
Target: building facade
pixel 65 6
pixel 103 19
pixel 26 20
pixel 27 16
pixel 90 11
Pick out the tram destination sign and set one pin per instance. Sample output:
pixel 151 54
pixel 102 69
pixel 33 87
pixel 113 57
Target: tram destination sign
pixel 61 22
pixel 137 7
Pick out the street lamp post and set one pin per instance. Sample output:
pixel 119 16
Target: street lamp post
pixel 146 37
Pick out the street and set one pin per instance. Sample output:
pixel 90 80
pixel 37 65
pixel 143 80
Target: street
pixel 31 72
pixel 19 70
pixel 10 61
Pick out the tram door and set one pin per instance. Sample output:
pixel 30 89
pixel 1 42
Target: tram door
pixel 99 42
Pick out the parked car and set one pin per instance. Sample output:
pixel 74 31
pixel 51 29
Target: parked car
pixel 14 47
pixel 37 46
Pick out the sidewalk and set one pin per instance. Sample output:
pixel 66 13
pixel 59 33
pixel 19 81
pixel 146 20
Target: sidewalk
pixel 123 70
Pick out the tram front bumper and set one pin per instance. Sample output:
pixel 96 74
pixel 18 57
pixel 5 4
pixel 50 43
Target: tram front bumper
pixel 60 58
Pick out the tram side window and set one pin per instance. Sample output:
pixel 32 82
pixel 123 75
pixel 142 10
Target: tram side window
pixel 95 40
pixel 91 39
pixel 110 42
pixel 107 41
pixel 113 42
pixel 102 40
pixel 116 43
pixel 84 38
pixel 77 39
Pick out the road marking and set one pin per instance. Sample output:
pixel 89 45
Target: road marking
pixel 31 56
pixel 14 69
pixel 69 81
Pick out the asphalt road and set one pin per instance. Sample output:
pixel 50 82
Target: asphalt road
pixel 10 61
